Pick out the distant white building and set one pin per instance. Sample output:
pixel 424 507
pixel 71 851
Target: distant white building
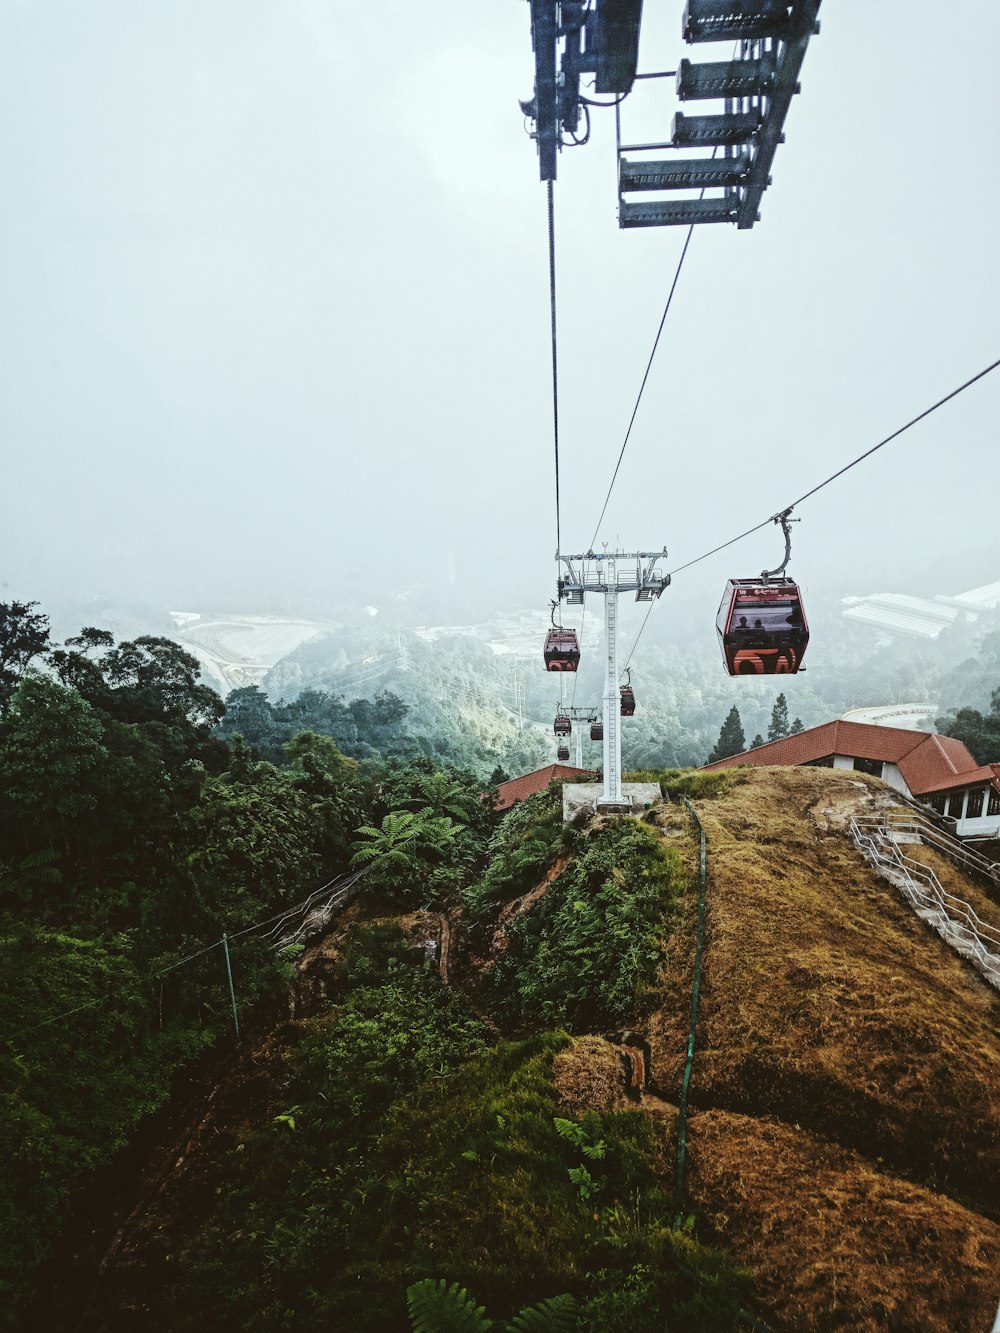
pixel 920 617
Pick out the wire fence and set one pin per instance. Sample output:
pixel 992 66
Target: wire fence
pixel 283 929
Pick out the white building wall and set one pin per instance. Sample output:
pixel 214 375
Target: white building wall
pixel 892 775
pixel 988 826
pixel 843 761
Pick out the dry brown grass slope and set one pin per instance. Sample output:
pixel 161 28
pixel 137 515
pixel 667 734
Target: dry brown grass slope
pixel 846 1089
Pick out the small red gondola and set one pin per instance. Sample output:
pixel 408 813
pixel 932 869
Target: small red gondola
pixel 597 731
pixel 562 753
pixel 562 726
pixel 561 651
pixel 628 701
pixel 762 627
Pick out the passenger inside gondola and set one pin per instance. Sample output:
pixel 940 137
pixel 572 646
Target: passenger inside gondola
pixel 762 628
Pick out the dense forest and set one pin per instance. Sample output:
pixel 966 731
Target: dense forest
pixel 150 836
pixel 135 833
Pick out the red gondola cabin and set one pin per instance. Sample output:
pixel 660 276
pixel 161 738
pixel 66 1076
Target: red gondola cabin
pixel 562 753
pixel 628 701
pixel 561 651
pixel 597 731
pixel 762 627
pixel 562 726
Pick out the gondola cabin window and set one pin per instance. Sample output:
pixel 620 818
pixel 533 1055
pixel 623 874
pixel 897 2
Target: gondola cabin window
pixel 762 627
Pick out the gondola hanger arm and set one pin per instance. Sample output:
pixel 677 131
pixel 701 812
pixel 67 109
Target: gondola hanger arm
pixel 785 519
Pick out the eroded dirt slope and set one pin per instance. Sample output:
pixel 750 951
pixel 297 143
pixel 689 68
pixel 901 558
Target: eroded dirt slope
pixel 846 1089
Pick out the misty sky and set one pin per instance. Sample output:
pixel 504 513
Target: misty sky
pixel 275 309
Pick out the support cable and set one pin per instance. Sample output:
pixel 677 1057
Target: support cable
pixel 555 364
pixel 774 518
pixel 642 386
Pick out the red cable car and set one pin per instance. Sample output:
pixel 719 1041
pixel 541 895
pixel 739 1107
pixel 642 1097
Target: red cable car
pixel 762 627
pixel 561 651
pixel 562 753
pixel 562 726
pixel 628 698
pixel 597 731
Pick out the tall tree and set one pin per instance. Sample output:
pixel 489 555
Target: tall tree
pixel 731 738
pixel 24 635
pixel 980 732
pixel 52 764
pixel 796 727
pixel 779 728
pixel 249 712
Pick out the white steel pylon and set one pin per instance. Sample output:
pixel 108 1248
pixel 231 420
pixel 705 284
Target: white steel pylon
pixel 611 573
pixel 578 714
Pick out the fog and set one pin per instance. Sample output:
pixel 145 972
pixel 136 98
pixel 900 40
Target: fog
pixel 275 315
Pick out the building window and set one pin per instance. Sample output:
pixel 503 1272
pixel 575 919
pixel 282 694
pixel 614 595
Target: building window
pixel 955 804
pixel 872 766
pixel 974 808
pixel 825 762
pixel 994 805
pixel 938 803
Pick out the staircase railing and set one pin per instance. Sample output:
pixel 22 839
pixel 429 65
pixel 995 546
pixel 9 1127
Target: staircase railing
pixel 954 920
pixel 954 848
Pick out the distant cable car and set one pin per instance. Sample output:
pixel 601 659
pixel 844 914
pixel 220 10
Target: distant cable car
pixel 762 622
pixel 562 753
pixel 597 731
pixel 628 697
pixel 561 651
pixel 562 726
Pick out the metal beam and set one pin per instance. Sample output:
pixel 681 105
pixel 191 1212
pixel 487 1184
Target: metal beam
pixel 676 212
pixel 691 173
pixel 544 35
pixel 786 85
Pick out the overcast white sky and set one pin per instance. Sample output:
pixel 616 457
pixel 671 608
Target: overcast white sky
pixel 274 324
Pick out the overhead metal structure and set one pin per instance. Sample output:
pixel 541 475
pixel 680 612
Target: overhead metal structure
pixel 610 573
pixel 755 87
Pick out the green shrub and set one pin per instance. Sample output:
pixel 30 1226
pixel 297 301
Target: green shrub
pixel 580 958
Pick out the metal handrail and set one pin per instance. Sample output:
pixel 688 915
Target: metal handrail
pixel 954 848
pixel 923 890
pixel 917 868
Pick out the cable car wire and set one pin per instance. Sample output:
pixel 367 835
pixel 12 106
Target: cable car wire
pixel 642 386
pixel 555 366
pixel 774 518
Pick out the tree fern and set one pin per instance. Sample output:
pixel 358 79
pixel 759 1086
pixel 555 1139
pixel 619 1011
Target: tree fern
pixel 437 1308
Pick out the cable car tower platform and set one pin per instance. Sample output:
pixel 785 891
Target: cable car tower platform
pixel 609 574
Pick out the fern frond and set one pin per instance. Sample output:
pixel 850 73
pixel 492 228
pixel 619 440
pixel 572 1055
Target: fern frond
pixel 558 1314
pixel 570 1130
pixel 437 1308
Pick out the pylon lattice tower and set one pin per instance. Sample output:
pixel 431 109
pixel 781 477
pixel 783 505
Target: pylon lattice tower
pixel 611 573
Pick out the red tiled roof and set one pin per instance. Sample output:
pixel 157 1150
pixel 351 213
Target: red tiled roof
pixel 519 789
pixel 986 773
pixel 927 761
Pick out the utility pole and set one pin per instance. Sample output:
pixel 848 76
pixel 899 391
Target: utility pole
pixel 611 573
